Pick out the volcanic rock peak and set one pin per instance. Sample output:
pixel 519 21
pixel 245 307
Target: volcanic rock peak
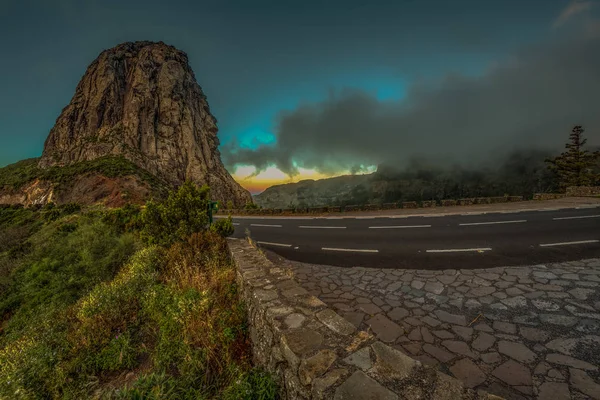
pixel 141 100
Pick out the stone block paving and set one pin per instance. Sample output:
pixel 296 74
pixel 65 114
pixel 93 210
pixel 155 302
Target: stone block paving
pixel 518 332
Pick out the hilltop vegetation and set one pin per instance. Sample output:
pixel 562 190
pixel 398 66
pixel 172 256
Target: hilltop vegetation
pixel 116 304
pixel 25 171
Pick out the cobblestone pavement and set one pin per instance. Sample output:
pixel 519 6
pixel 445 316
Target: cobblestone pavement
pixel 518 332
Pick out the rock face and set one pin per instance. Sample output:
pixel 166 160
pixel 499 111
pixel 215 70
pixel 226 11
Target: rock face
pixel 141 100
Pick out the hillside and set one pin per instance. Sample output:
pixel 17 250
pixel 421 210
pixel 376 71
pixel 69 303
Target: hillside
pixel 308 193
pixel 112 181
pixel 120 303
pixel 522 173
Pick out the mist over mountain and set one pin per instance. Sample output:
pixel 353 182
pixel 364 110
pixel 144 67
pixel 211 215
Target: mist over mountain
pixel 529 101
pixel 521 173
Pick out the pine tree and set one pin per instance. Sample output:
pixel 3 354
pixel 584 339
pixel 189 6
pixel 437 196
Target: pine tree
pixel 576 166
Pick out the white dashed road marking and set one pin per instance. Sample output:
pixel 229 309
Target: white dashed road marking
pixel 321 227
pixel 578 217
pixel 400 227
pixel 275 244
pixel 493 222
pixel 350 250
pixel 266 226
pixel 569 243
pixel 481 249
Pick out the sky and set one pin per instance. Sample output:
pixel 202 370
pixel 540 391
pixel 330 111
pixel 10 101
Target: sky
pixel 320 88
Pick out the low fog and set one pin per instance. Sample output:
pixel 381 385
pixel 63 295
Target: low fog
pixel 530 101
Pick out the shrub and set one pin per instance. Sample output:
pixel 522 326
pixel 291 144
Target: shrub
pixel 70 208
pixel 183 213
pixel 124 219
pixel 251 206
pixel 223 227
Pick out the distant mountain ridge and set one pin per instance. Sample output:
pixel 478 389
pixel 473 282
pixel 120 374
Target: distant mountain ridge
pixel 522 173
pixel 309 193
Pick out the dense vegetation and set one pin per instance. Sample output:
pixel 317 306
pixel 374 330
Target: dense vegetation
pixel 102 303
pixel 22 172
pixel 522 173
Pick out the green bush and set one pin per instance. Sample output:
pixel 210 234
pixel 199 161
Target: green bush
pixel 183 213
pixel 124 219
pixel 223 226
pixel 251 206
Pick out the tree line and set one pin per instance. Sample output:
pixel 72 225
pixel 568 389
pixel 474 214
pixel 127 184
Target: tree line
pixel 522 173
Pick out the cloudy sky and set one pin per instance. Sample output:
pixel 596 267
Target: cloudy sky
pixel 318 88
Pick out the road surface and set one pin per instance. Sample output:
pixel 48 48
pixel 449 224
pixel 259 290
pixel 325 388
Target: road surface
pixel 472 240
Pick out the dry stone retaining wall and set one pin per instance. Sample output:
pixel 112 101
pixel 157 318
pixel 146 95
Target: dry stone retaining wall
pixel 316 354
pixel 549 196
pixel 583 191
pixel 379 207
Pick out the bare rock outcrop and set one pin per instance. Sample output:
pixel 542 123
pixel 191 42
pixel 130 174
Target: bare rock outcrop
pixel 141 100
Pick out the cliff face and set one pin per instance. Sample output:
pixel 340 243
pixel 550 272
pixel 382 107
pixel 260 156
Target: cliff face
pixel 141 100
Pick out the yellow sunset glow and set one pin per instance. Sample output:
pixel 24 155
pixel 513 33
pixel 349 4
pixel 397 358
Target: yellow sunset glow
pixel 274 176
pixel 271 176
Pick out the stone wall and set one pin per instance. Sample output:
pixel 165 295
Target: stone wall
pixel 313 353
pixel 447 203
pixel 583 191
pixel 378 207
pixel 410 204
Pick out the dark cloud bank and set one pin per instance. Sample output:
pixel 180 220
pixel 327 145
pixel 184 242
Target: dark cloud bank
pixel 530 101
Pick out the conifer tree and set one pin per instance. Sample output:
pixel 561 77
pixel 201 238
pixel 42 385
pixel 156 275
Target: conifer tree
pixel 576 166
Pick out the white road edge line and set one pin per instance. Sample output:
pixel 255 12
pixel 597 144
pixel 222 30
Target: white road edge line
pixel 578 217
pixel 266 226
pixel 350 250
pixel 569 243
pixel 493 222
pixel 459 250
pixel 400 227
pixel 321 227
pixel 275 244
pixel 236 223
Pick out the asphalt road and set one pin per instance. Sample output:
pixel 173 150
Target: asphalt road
pixel 431 242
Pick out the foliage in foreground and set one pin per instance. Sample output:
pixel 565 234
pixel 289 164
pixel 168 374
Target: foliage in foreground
pixel 88 311
pixel 183 213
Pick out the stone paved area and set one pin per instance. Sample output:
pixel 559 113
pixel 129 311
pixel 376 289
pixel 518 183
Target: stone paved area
pixel 518 332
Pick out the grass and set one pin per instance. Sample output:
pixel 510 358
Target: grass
pixel 89 310
pixel 18 174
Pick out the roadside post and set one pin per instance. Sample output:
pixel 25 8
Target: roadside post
pixel 212 206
